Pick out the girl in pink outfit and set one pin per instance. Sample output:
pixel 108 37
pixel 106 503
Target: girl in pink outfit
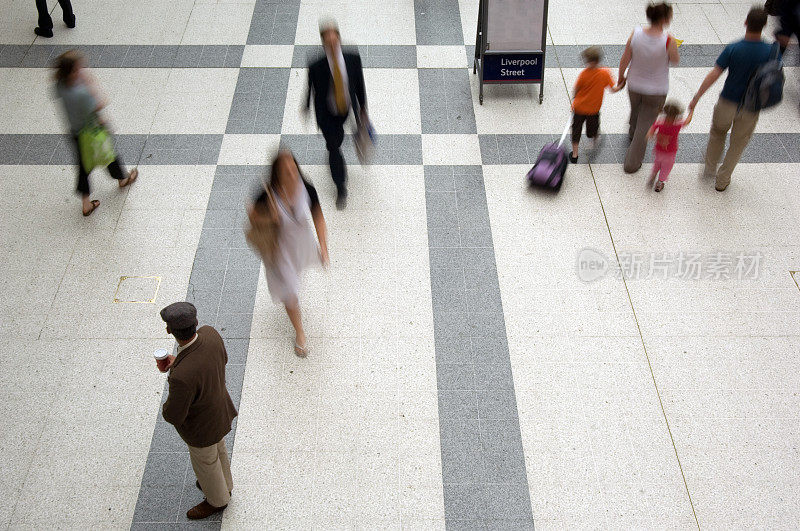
pixel 666 132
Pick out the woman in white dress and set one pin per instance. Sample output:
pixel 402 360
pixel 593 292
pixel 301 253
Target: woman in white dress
pixel 283 214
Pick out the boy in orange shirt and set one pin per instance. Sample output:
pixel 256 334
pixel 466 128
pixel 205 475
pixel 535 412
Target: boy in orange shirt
pixel 589 89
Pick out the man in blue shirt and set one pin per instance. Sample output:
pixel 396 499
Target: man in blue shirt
pixel 740 59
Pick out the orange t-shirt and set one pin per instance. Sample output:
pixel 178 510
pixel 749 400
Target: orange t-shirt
pixel 589 90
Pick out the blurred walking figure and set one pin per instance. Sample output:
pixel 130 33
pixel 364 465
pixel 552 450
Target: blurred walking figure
pixel 665 131
pixel 337 82
pixel 45 28
pixel 788 12
pixel 82 105
pixel 647 57
pixel 280 230
pixel 741 59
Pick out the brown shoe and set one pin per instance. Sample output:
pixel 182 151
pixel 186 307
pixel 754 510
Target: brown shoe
pixel 203 510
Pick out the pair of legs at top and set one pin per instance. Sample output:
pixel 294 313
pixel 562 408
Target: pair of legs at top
pixel 45 28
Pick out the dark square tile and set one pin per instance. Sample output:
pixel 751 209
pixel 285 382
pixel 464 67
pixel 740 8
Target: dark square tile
pixel 497 404
pixel 490 153
pixel 138 56
pixel 213 56
pixel 443 237
pixel 234 325
pixel 512 149
pixel 237 351
pixel 158 504
pixel 494 377
pixel 489 350
pixel 456 376
pixel 467 500
pixel 458 404
pixel 451 350
pixel 40 149
pixel 505 500
pixel 165 437
pixel 163 56
pixel 165 469
pixel 188 56
pixel 504 464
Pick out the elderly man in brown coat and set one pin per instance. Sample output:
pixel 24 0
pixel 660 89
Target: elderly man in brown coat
pixel 199 405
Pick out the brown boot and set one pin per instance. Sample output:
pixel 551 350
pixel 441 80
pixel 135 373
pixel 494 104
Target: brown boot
pixel 203 510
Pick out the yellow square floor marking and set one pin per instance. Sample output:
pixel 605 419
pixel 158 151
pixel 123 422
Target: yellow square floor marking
pixel 142 290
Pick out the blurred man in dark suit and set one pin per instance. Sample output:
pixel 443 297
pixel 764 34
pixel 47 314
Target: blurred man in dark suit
pixel 337 83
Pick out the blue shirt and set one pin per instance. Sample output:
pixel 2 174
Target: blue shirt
pixel 741 59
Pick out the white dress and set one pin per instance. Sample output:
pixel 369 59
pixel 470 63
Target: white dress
pixel 297 248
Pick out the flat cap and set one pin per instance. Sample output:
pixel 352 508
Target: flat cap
pixel 180 315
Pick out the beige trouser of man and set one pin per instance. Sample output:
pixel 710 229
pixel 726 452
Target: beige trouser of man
pixel 213 470
pixel 741 123
pixel 645 108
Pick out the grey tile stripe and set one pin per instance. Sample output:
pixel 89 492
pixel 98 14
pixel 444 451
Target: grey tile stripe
pixel 484 478
pixel 133 149
pixel 523 149
pixel 373 56
pixel 483 464
pixel 390 149
pixel 257 105
pixel 445 100
pixel 222 286
pixel 56 149
pixel 274 22
pixel 126 56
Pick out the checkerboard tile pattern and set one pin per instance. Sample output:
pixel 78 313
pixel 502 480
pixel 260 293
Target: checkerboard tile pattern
pixel 526 388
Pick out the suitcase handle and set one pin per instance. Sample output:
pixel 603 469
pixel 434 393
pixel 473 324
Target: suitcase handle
pixel 566 131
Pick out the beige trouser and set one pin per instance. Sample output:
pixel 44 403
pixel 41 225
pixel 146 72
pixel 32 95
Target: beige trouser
pixel 741 123
pixel 645 108
pixel 213 470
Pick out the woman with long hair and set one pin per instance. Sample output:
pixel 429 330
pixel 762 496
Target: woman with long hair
pixel 280 229
pixel 645 68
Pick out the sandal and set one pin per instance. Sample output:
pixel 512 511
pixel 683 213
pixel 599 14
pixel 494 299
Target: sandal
pixel 301 352
pixel 95 204
pixel 131 178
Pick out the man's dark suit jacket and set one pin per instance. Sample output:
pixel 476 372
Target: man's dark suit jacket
pixel 320 80
pixel 198 404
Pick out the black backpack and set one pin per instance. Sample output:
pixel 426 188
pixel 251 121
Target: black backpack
pixel 765 88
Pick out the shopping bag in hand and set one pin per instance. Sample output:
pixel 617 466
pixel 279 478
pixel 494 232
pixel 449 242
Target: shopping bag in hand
pixel 96 147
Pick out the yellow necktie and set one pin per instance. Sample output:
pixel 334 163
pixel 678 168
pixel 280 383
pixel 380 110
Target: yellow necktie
pixel 338 87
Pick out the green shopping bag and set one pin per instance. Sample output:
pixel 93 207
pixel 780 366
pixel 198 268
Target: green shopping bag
pixel 96 147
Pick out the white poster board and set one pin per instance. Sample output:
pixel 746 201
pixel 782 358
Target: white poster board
pixel 515 25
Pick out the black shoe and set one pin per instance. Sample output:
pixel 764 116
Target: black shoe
pixel 41 32
pixel 341 200
pixel 70 21
pixel 573 159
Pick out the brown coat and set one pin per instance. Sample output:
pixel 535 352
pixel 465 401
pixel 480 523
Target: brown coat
pixel 198 404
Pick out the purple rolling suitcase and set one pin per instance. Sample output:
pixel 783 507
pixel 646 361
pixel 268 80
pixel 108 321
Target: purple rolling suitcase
pixel 551 164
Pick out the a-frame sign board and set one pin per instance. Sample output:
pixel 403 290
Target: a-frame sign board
pixel 510 42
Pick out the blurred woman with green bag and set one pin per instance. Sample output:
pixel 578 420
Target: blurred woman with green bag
pixel 91 138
